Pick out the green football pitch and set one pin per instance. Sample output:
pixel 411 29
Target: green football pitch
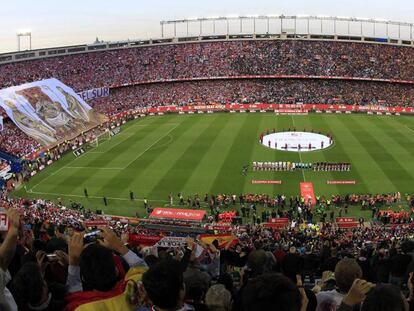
pixel 205 153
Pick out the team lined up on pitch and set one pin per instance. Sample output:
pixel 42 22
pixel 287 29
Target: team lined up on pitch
pixel 292 166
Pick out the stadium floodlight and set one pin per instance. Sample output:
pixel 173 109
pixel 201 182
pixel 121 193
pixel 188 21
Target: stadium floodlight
pixel 24 33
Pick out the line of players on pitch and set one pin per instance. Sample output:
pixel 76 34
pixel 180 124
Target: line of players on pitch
pixel 291 166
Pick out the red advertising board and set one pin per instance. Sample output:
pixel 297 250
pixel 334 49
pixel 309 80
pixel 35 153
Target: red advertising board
pixel 143 240
pixel 341 182
pixel 346 222
pixel 282 220
pixel 266 182
pixel 294 108
pixel 277 223
pixel 178 214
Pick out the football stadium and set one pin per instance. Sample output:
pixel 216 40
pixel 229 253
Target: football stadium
pixel 238 162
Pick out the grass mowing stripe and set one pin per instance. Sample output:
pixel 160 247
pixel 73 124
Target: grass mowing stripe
pixel 187 161
pixel 319 178
pixel 341 153
pixel 228 178
pixel 137 176
pixel 77 179
pixel 394 140
pixel 363 161
pixel 300 153
pixel 202 178
pixel 160 160
pixel 259 154
pixel 403 130
pixel 396 174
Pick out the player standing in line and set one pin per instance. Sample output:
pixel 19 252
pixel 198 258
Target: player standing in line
pixel 131 195
pixel 170 197
pixel 85 191
pixel 244 171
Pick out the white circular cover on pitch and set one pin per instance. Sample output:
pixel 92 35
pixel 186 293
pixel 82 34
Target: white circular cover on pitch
pixel 290 141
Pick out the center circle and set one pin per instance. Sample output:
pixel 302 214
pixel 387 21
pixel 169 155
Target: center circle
pixel 296 141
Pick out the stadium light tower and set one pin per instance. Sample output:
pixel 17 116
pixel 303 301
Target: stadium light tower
pixel 24 33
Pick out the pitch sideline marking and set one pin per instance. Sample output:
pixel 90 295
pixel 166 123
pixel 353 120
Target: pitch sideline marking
pixel 300 152
pixel 65 166
pixel 54 173
pixel 90 197
pixel 154 143
pixel 94 167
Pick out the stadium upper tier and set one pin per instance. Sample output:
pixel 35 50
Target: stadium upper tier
pixel 218 59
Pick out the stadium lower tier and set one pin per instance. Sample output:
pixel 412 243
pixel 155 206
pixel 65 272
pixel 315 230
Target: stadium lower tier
pixel 228 91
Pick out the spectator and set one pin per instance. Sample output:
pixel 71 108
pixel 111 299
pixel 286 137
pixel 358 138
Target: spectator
pixel 164 285
pixel 346 271
pixel 218 298
pixel 272 292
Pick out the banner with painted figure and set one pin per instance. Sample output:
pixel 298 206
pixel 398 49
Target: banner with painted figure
pixel 48 111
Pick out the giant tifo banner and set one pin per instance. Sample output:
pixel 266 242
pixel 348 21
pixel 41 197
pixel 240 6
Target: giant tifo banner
pixel 48 111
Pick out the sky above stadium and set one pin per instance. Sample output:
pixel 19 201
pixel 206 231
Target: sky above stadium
pixel 57 23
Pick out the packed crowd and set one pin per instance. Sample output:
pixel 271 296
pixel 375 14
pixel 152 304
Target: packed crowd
pixel 255 91
pixel 217 59
pixel 50 259
pixel 14 141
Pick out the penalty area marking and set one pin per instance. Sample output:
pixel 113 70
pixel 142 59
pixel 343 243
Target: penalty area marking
pixel 170 140
pixel 409 128
pixel 118 168
pixel 153 144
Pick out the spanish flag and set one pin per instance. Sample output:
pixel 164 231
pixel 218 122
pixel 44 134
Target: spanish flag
pixel 128 294
pixel 222 239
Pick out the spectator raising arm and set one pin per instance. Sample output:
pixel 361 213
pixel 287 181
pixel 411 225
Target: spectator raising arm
pixel 8 247
pixel 112 241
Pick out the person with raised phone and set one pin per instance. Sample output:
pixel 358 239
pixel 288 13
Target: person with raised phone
pixel 96 273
